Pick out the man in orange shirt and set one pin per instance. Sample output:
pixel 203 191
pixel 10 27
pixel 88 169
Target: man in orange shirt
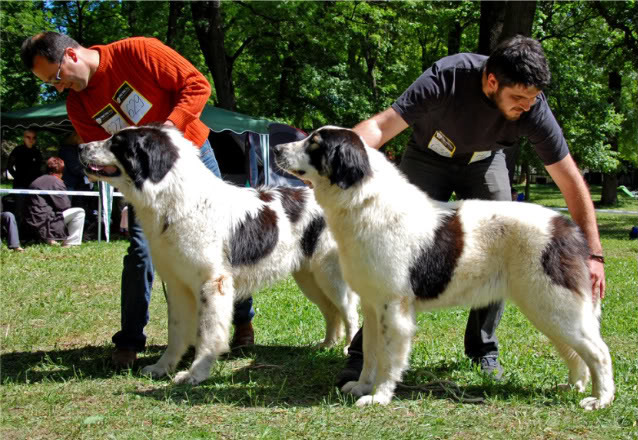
pixel 134 81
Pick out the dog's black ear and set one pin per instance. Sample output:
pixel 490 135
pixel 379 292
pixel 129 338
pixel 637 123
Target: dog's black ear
pixel 146 153
pixel 349 162
pixel 160 151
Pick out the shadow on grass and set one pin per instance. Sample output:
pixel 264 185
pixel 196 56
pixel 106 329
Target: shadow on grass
pixel 266 376
pixel 285 376
pixel 89 362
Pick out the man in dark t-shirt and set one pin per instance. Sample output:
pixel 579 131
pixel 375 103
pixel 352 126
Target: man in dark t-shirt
pixel 463 111
pixel 25 161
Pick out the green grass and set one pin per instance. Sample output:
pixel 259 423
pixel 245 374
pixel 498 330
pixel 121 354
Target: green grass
pixel 61 306
pixel 548 195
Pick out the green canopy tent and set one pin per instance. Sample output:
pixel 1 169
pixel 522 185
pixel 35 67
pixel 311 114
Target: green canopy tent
pixel 54 117
pixel 243 141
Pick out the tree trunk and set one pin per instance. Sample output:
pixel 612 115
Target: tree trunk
pixel 499 21
pixel 519 17
pixel 491 25
pixel 208 27
pixel 609 194
pixel 172 30
pixel 502 20
pixel 454 38
pixel 525 172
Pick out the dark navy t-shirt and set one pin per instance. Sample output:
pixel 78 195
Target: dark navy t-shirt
pixel 450 115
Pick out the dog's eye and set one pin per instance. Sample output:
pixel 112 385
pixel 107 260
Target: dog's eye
pixel 300 172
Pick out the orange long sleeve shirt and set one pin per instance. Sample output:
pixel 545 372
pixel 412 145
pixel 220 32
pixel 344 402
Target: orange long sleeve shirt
pixel 140 80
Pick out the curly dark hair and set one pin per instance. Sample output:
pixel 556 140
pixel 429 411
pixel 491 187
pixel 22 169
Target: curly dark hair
pixel 519 60
pixel 55 165
pixel 50 45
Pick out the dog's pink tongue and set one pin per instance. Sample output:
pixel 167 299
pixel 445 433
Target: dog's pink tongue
pixel 109 169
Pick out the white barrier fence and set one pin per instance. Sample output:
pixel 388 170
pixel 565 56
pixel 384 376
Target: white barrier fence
pixel 105 194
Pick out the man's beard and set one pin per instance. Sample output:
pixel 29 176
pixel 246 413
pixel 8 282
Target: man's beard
pixel 497 99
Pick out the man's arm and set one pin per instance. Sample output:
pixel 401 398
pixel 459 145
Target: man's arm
pixel 380 128
pixel 574 189
pixel 11 163
pixel 174 72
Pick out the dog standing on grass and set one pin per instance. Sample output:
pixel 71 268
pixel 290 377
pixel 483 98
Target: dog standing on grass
pixel 214 243
pixel 403 252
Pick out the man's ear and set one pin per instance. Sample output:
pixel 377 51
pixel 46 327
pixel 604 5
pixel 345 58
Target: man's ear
pixel 492 83
pixel 71 53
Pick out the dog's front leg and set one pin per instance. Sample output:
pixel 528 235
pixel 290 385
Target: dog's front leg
pixel 365 383
pixel 214 318
pixel 181 331
pixel 395 331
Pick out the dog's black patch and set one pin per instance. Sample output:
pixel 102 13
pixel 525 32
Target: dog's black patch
pixel 293 201
pixel 265 195
pixel 255 238
pixel 311 236
pixel 339 154
pixel 433 268
pixel 565 254
pixel 146 153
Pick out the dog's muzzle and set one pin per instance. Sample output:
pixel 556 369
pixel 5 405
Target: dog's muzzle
pixel 90 165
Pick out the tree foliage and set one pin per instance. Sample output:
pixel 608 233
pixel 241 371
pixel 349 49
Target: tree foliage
pixel 337 62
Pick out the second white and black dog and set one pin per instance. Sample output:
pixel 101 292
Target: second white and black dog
pixel 403 252
pixel 214 243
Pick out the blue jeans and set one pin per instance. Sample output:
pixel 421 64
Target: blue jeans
pixel 137 279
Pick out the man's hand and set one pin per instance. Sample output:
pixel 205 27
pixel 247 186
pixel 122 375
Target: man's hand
pixel 597 271
pixel 169 122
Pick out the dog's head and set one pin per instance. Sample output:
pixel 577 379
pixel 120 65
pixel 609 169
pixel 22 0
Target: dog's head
pixel 331 154
pixel 131 157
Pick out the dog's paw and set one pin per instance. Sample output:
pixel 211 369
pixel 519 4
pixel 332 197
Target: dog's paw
pixel 578 386
pixel 373 399
pixel 592 403
pixel 324 344
pixel 186 378
pixel 349 386
pixel 357 388
pixel 154 371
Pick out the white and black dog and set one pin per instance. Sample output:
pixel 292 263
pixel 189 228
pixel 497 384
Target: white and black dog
pixel 214 243
pixel 402 252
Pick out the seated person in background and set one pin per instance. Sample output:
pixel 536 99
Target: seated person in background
pixel 514 194
pixel 75 180
pixel 10 230
pixel 49 217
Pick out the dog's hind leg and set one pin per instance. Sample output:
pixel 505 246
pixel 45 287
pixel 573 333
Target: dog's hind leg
pixel 395 331
pixel 181 331
pixel 213 331
pixel 578 370
pixel 572 323
pixel 308 285
pixel 332 284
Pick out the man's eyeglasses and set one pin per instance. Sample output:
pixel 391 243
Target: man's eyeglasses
pixel 57 79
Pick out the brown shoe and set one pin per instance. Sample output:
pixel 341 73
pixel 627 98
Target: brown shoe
pixel 123 357
pixel 244 336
